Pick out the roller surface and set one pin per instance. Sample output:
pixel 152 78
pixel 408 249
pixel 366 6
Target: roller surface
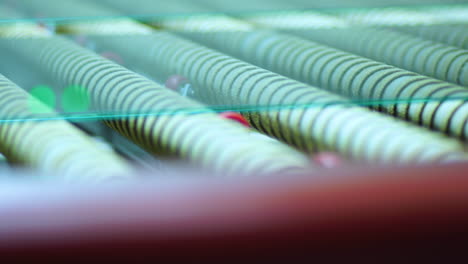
pixel 54 147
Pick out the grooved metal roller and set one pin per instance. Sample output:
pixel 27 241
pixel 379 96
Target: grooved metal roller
pixel 186 87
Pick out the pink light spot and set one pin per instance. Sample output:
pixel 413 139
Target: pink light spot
pixel 175 81
pixel 328 160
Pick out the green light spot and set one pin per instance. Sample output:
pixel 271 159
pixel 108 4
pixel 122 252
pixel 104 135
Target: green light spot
pixel 75 99
pixel 42 100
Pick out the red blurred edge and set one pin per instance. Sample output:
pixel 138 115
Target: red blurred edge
pixel 394 212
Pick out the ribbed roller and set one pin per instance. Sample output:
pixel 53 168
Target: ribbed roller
pixel 390 16
pixel 301 19
pixel 163 121
pixel 80 16
pixel 455 35
pixel 404 16
pixel 435 104
pixel 402 50
pixel 446 14
pixel 55 147
pixel 111 22
pixel 20 30
pixel 112 26
pixel 301 115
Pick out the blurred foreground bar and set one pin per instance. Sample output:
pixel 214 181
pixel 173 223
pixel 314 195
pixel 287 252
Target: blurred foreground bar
pixel 328 213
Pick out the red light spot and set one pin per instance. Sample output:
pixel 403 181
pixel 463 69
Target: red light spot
pixel 235 117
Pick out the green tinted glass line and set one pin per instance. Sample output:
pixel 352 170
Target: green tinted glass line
pixel 55 147
pixel 349 75
pixel 353 131
pixel 99 116
pixel 455 35
pixel 198 138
